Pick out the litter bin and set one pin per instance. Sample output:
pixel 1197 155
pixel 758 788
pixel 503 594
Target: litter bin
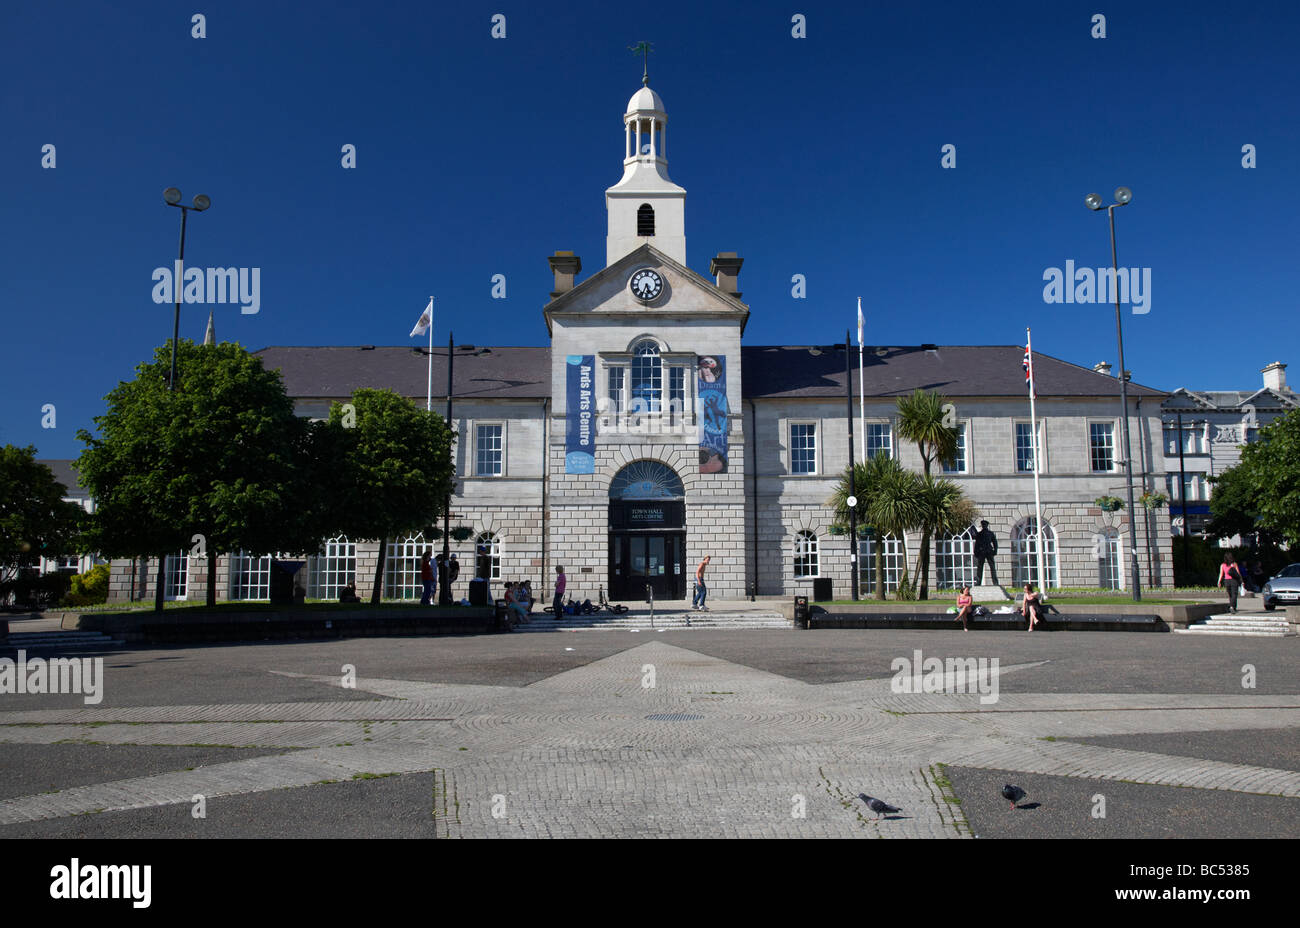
pixel 801 611
pixel 478 592
pixel 822 590
pixel 282 581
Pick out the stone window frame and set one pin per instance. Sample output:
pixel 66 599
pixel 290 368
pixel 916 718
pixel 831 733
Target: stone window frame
pixel 1114 443
pixel 1042 446
pixel 963 429
pixel 505 430
pixel 651 422
pixel 893 435
pixel 817 447
pixel 807 550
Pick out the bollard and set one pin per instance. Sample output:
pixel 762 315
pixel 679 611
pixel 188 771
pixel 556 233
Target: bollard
pixel 801 612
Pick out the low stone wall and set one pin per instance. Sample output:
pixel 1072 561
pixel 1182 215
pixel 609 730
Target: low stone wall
pixel 1073 615
pixel 226 625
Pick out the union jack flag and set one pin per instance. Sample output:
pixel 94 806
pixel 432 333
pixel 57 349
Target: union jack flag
pixel 1026 365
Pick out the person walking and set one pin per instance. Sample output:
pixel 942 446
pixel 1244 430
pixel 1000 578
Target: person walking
pixel 1230 578
pixel 965 604
pixel 697 601
pixel 427 577
pixel 558 604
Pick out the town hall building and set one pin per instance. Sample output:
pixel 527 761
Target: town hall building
pixel 649 435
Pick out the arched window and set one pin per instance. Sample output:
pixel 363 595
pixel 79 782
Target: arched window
pixel 1024 554
pixel 333 569
pixel 805 555
pixel 176 575
pixel 647 377
pixel 895 562
pixel 402 567
pixel 645 220
pixel 1109 564
pixel 487 556
pixel 647 480
pixel 954 561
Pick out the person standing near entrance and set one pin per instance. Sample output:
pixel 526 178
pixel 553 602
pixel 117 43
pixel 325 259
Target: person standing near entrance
pixel 1230 577
pixel 558 604
pixel 427 578
pixel 697 601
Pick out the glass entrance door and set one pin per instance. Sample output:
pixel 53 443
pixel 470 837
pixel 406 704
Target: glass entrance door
pixel 646 558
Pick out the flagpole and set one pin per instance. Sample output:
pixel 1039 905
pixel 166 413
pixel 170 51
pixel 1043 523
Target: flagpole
pixel 862 385
pixel 428 403
pixel 1033 428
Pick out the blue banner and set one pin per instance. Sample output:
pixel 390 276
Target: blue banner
pixel 711 393
pixel 580 415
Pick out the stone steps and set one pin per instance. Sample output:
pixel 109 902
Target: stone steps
pixel 1241 625
pixel 45 641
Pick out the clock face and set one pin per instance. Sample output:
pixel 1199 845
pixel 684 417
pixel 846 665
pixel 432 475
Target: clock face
pixel 646 285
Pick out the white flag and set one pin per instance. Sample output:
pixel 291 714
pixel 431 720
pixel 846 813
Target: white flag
pixel 426 320
pixel 859 322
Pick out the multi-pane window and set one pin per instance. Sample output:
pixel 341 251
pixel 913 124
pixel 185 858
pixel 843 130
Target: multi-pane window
pixel 1101 444
pixel 677 393
pixel 954 561
pixel 805 555
pixel 647 377
pixel 1024 554
pixel 70 563
pixel 176 575
pixel 879 440
pixel 958 464
pixel 250 576
pixel 487 556
pixel 1193 439
pixel 488 453
pixel 616 389
pixel 803 448
pixel 895 562
pixel 402 567
pixel 1024 447
pixel 1193 487
pixel 333 569
pixel 1108 562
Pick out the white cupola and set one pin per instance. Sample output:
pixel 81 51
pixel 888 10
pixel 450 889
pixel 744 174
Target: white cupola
pixel 645 206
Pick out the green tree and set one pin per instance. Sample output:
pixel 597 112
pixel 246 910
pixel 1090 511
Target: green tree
pixel 923 417
pixel 219 458
pixel 889 500
pixel 393 470
pixel 1262 492
pixel 35 520
pixel 944 508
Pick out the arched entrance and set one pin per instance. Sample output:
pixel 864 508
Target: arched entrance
pixel 647 532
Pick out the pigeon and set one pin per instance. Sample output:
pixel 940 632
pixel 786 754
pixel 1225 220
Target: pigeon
pixel 877 806
pixel 1012 794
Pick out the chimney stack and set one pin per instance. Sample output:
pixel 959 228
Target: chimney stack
pixel 725 268
pixel 1275 377
pixel 565 265
pixel 1102 367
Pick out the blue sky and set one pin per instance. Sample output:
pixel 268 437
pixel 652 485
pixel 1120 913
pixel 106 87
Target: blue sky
pixel 479 156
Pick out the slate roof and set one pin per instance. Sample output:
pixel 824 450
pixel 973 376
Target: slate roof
pixel 336 371
pixel 768 371
pixel 65 475
pixel 953 370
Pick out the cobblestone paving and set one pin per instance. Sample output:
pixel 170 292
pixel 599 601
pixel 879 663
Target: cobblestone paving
pixel 659 740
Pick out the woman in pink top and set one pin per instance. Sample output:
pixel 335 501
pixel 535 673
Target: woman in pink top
pixel 1230 577
pixel 964 601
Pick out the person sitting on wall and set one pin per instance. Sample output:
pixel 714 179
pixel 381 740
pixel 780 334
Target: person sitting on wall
pixel 349 594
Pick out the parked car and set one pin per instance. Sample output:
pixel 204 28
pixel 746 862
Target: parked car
pixel 1284 588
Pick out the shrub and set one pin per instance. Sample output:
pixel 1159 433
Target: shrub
pixel 89 589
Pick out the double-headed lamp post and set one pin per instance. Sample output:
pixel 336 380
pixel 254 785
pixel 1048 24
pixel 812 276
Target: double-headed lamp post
pixel 172 196
pixel 1093 201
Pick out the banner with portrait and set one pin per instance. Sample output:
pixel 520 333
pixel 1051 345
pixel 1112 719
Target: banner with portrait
pixel 711 395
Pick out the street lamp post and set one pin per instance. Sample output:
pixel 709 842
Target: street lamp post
pixel 1093 201
pixel 172 197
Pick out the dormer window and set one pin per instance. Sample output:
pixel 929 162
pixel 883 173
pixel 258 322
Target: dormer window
pixel 645 220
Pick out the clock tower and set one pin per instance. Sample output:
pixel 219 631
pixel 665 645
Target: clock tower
pixel 645 206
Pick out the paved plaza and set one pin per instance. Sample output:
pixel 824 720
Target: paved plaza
pixel 677 733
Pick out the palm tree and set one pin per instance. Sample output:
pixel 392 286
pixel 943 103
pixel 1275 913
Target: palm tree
pixel 890 499
pixel 945 508
pixel 923 418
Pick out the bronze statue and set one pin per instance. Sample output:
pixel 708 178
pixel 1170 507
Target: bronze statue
pixel 986 549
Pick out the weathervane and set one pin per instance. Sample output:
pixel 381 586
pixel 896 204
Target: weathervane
pixel 643 49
